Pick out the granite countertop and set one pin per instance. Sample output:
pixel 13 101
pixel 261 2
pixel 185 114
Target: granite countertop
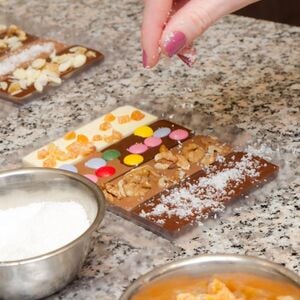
pixel 246 84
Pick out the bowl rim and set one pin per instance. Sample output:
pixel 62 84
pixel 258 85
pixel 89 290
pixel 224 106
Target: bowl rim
pixel 234 258
pixel 101 208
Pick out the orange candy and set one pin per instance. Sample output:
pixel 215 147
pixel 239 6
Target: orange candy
pixel 114 137
pixel 105 126
pixel 123 119
pixel 70 135
pixel 137 115
pixel 109 118
pixel 82 139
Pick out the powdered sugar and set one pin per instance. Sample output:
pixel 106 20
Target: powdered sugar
pixel 39 227
pixel 10 63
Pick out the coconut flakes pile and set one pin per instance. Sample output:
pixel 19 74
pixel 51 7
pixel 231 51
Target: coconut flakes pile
pixel 206 195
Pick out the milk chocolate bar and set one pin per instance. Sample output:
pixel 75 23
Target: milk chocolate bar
pixel 76 145
pixel 30 64
pixel 168 167
pixel 205 193
pixel 131 151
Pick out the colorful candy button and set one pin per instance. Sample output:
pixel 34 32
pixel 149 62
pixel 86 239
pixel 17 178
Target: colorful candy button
pixel 91 177
pixel 111 154
pixel 179 134
pixel 95 163
pixel 152 141
pixel 137 148
pixel 133 159
pixel 162 132
pixel 69 167
pixel 143 131
pixel 105 171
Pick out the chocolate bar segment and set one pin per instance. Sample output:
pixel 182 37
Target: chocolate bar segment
pixel 136 149
pixel 168 167
pixel 207 192
pixel 46 68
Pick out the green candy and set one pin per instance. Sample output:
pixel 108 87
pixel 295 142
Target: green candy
pixel 111 154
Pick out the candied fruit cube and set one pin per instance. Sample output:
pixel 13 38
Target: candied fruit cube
pixel 109 117
pixel 70 135
pixel 105 126
pixel 97 137
pixel 42 154
pixel 49 163
pixel 123 119
pixel 137 115
pixel 82 139
pixel 62 156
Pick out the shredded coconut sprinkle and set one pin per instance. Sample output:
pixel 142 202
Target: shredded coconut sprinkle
pixel 206 195
pixel 9 64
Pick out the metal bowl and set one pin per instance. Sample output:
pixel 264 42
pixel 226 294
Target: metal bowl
pixel 44 275
pixel 205 265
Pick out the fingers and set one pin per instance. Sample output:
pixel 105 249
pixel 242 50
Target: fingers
pixel 193 19
pixel 156 13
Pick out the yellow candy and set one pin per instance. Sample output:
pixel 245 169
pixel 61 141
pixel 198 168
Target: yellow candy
pixel 133 159
pixel 143 131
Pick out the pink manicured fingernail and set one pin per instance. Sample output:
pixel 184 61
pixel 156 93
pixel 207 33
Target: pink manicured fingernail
pixel 145 59
pixel 188 55
pixel 174 42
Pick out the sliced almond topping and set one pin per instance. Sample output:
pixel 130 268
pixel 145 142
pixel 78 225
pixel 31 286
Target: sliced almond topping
pixel 91 54
pixel 38 63
pixel 3 85
pixel 78 50
pixel 14 88
pixel 79 60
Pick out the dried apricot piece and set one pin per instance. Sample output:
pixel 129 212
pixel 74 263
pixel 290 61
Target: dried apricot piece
pixel 97 138
pixel 105 126
pixel 137 115
pixel 109 117
pixel 123 119
pixel 70 135
pixel 42 154
pixel 49 162
pixel 82 139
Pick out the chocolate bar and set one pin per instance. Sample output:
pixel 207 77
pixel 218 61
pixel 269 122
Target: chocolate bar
pixel 205 193
pixel 132 151
pixel 75 145
pixel 168 167
pixel 35 63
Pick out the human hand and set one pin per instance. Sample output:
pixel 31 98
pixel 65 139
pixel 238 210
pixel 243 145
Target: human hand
pixel 170 26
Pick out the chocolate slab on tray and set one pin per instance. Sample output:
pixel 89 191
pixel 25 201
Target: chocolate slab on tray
pixel 30 64
pixel 156 173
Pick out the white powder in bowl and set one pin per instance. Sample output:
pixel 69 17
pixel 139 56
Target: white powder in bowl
pixel 40 227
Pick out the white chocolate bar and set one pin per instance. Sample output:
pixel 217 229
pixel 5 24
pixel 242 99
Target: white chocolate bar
pixel 90 130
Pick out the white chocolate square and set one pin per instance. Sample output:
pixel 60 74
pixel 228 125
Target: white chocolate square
pixel 91 129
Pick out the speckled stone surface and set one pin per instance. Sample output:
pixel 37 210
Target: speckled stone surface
pixel 245 87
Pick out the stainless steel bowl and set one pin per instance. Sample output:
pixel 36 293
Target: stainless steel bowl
pixel 43 275
pixel 211 264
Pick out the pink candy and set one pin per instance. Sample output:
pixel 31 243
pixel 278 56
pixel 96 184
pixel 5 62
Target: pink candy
pixel 138 148
pixel 153 142
pixel 178 134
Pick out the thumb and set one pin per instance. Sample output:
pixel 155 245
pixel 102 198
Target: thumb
pixel 193 19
